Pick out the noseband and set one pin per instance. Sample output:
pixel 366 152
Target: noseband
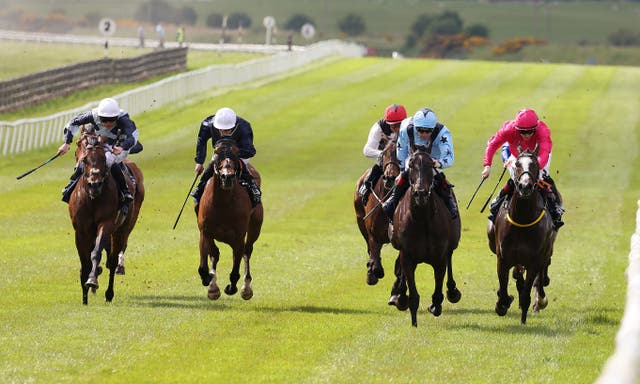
pixel 419 194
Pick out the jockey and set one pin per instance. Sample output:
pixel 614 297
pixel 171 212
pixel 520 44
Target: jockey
pixel 380 133
pixel 225 124
pixel 422 129
pixel 120 137
pixel 526 131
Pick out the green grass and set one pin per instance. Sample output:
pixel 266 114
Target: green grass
pixel 313 319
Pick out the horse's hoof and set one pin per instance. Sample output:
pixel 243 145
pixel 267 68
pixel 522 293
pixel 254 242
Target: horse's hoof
pixel 246 293
pixel 213 293
pixel 501 310
pixel 540 303
pixel 379 272
pixel 92 283
pixel 230 290
pixel 403 303
pixel 371 279
pixel 436 310
pixel 108 296
pixel 454 295
pixel 120 270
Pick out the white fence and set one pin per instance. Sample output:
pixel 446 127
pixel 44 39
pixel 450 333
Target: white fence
pixel 27 134
pixel 623 367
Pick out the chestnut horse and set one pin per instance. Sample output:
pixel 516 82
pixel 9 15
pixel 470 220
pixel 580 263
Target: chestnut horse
pixel 372 222
pixel 424 232
pixel 225 214
pixel 93 208
pixel 522 238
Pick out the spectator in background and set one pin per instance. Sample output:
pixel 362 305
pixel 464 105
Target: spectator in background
pixel 180 36
pixel 141 36
pixel 160 32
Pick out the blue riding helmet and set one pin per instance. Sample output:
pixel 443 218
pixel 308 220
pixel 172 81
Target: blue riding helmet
pixel 425 118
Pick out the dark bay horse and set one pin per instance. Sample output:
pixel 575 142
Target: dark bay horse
pixel 522 238
pixel 93 208
pixel 424 232
pixel 225 214
pixel 371 220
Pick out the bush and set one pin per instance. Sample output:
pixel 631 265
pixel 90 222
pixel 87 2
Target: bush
pixel 352 24
pixel 155 11
pixel 214 20
pixel 187 15
pixel 238 19
pixel 479 30
pixel 296 22
pixel 420 26
pixel 624 38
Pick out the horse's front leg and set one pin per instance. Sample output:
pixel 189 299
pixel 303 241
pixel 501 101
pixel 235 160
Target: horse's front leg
pixel 504 299
pixel 120 266
pixel 540 300
pixel 234 276
pixel 375 271
pixel 399 296
pixel 85 264
pixel 524 296
pixel 453 293
pixel 96 255
pixel 409 270
pixel 437 298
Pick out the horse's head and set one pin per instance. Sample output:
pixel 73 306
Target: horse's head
pixel 95 169
pixel 421 175
pixel 390 164
pixel 87 137
pixel 527 172
pixel 226 163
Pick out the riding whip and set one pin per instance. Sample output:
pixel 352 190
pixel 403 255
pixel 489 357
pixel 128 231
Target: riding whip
pixel 185 201
pixel 36 168
pixel 494 190
pixel 474 193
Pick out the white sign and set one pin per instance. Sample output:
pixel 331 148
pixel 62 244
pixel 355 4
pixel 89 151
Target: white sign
pixel 269 22
pixel 307 31
pixel 107 27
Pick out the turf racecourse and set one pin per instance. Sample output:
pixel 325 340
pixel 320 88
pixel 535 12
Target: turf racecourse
pixel 313 319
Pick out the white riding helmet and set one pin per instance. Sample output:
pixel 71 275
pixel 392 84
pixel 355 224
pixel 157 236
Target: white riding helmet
pixel 225 118
pixel 108 108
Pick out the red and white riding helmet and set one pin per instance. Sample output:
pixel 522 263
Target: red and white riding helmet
pixel 395 113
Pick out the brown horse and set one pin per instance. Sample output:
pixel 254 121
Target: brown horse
pixel 522 238
pixel 93 208
pixel 225 214
pixel 371 220
pixel 424 232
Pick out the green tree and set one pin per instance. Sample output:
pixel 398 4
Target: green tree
pixel 155 11
pixel 187 15
pixel 352 24
pixel 237 19
pixel 296 22
pixel 477 30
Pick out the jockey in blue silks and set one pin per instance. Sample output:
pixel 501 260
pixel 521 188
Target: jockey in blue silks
pixel 421 130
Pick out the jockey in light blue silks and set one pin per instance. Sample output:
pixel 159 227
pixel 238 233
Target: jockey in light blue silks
pixel 421 130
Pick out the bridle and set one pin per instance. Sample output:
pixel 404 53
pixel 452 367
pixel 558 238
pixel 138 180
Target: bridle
pixel 94 176
pixel 226 164
pixel 420 194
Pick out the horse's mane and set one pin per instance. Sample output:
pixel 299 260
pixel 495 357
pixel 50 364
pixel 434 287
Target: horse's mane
pixel 225 142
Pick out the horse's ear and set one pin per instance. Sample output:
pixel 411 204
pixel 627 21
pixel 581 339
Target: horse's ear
pixel 519 148
pixel 535 150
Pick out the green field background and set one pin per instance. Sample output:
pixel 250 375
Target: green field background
pixel 313 319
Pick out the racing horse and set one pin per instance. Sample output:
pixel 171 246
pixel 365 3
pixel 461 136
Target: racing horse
pixel 371 220
pixel 225 214
pixel 522 238
pixel 423 232
pixel 89 136
pixel 94 211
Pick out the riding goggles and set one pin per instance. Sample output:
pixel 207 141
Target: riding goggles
pixel 424 130
pixel 527 131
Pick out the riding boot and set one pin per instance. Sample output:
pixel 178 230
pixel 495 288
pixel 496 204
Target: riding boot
pixel 445 191
pixel 555 209
pixel 554 202
pixel 123 188
pixel 73 180
pixel 249 182
pixel 402 184
pixel 369 182
pixel 206 175
pixel 505 193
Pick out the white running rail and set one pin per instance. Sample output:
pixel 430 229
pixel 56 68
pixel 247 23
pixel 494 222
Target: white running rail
pixel 623 367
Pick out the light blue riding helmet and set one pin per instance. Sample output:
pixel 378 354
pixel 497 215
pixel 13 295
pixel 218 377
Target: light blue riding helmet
pixel 425 118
